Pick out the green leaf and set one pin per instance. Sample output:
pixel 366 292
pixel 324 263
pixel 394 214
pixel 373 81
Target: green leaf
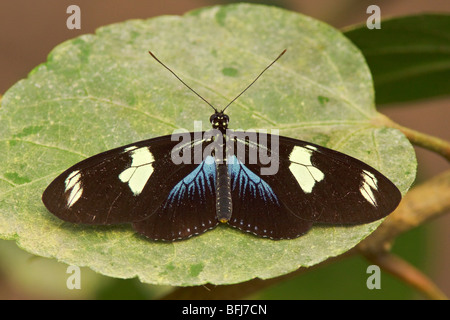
pixel 409 56
pixel 101 91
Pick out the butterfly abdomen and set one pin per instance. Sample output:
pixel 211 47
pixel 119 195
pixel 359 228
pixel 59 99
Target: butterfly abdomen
pixel 223 193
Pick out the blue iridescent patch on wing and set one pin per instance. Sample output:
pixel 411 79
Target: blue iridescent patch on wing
pixel 249 184
pixel 200 181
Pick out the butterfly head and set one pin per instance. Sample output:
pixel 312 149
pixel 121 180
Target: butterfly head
pixel 219 120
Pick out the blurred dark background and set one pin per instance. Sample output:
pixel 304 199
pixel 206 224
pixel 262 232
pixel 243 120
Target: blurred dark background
pixel 29 30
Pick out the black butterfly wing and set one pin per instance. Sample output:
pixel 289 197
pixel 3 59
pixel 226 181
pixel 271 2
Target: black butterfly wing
pixel 313 184
pixel 258 209
pixel 189 208
pixel 344 190
pixel 130 184
pixel 105 188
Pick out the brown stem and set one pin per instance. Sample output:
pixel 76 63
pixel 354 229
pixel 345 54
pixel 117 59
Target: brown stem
pixel 407 273
pixel 417 138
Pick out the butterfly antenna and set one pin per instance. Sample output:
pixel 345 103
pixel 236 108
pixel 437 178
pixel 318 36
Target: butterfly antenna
pixel 255 79
pixel 154 57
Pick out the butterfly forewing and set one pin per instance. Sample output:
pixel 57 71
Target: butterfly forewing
pixel 121 185
pixel 333 187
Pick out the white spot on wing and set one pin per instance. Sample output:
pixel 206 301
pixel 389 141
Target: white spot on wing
pixel 369 183
pixel 140 170
pixel 72 179
pixel 303 170
pixel 73 184
pixel 129 149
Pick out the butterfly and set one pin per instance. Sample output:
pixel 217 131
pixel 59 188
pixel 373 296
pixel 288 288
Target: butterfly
pixel 147 184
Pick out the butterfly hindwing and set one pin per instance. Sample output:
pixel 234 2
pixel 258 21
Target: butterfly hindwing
pixel 257 209
pixel 189 208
